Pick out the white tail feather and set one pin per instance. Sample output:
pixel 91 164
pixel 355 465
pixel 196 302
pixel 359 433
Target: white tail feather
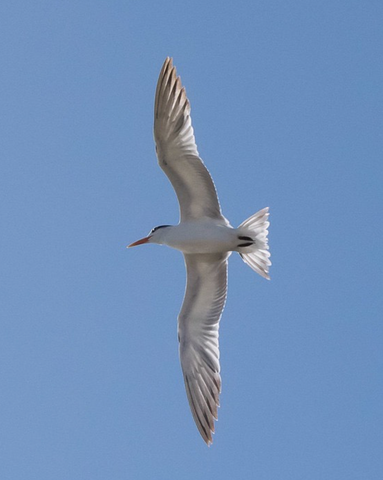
pixel 257 255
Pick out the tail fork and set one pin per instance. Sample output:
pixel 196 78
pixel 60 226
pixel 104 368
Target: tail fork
pixel 257 255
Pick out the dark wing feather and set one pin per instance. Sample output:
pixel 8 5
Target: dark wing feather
pixel 177 151
pixel 198 324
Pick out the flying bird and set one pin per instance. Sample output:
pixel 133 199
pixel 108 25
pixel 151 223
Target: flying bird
pixel 206 239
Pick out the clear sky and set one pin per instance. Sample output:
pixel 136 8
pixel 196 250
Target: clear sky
pixel 287 108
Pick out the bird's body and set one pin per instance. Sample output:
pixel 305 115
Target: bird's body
pixel 199 237
pixel 206 239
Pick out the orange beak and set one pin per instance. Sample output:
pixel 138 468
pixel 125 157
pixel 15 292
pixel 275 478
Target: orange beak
pixel 139 242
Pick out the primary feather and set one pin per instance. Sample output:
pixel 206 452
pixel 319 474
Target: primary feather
pixel 177 151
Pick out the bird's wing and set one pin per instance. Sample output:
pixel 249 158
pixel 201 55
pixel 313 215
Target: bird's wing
pixel 198 324
pixel 177 151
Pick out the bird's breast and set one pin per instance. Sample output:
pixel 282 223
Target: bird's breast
pixel 201 237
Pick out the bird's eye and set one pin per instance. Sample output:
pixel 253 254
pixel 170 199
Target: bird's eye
pixel 156 228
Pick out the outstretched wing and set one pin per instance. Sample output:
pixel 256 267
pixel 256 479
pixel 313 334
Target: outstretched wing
pixel 198 324
pixel 177 151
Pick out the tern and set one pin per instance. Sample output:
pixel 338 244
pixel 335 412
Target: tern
pixel 206 239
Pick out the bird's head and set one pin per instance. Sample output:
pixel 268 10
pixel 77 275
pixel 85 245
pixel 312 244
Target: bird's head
pixel 156 235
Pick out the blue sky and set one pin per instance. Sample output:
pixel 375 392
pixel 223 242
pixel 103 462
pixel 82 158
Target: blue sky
pixel 287 109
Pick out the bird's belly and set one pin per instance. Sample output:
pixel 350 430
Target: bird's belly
pixel 203 238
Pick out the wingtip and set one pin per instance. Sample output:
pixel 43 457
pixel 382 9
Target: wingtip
pixel 168 61
pixel 209 440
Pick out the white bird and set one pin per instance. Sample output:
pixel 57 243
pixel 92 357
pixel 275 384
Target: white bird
pixel 206 239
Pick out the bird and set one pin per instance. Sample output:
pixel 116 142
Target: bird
pixel 206 239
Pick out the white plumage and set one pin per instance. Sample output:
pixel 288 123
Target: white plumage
pixel 206 239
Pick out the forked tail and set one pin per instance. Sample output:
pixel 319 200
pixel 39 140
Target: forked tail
pixel 256 254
